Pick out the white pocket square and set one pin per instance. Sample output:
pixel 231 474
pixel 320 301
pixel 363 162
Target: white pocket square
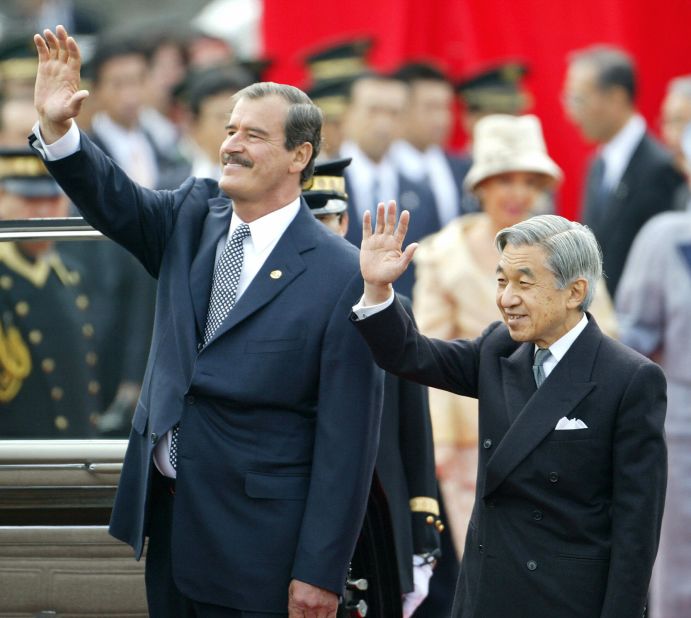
pixel 570 423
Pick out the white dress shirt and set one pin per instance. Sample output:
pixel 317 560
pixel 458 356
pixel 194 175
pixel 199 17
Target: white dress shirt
pixel 433 166
pixel 617 153
pixel 265 234
pixel 363 172
pixel 557 350
pixel 131 149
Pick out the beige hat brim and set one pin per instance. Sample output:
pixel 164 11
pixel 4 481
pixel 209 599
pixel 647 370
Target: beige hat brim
pixel 534 162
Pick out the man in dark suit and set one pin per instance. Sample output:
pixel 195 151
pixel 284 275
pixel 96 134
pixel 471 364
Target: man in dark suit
pixel 254 440
pixel 572 466
pixel 372 121
pixel 632 178
pixel 405 461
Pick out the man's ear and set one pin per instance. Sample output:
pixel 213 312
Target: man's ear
pixel 578 290
pixel 301 157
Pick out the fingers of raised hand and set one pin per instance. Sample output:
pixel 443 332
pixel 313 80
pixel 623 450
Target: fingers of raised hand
pixel 366 225
pixel 379 223
pixel 390 218
pixel 402 227
pixel 52 43
pixel 41 48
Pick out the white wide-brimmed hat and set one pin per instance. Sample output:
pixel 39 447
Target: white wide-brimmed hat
pixel 504 143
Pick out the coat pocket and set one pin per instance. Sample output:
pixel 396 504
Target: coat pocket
pixel 266 346
pixel 277 486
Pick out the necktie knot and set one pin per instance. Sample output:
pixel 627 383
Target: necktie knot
pixel 241 232
pixel 538 369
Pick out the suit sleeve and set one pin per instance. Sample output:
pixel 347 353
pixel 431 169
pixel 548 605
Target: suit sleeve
pixel 400 349
pixel 139 219
pixel 345 450
pixel 417 449
pixel 638 492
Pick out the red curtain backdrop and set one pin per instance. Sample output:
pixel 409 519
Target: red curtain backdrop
pixel 464 34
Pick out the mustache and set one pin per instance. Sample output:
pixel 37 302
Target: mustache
pixel 227 158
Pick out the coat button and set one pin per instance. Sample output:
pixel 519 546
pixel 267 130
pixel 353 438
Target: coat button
pixel 487 443
pixel 154 438
pixel 531 564
pixel 537 515
pixel 481 548
pixel 189 400
pixel 553 477
pixel 491 504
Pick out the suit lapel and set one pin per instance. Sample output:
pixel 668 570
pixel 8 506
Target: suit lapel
pixel 201 272
pixel 567 385
pixel 284 265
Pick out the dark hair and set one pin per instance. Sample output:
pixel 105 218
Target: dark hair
pixel 615 68
pixel 111 48
pixel 303 121
pixel 418 71
pixel 202 85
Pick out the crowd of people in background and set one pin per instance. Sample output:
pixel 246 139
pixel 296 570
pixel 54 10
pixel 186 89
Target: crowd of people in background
pixel 158 107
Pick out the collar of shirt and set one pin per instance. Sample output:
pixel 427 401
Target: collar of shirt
pixel 618 151
pixel 267 229
pixel 561 346
pixel 362 172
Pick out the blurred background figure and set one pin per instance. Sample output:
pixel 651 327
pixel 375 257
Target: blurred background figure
pixel 49 384
pixel 18 64
pixel 676 116
pixel 420 154
pixel 654 315
pixel 632 177
pixel 17 118
pixel 455 290
pixel 206 100
pixel 119 70
pixel 404 468
pixel 331 69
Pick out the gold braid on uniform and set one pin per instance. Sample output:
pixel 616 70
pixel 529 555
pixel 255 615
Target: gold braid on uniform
pixel 15 362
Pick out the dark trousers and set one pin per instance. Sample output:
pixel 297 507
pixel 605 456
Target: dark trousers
pixel 163 596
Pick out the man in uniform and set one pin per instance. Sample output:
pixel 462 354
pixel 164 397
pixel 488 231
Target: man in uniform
pixel 405 460
pixel 49 384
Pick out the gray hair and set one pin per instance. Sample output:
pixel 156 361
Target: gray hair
pixel 303 121
pixel 615 68
pixel 681 86
pixel 571 249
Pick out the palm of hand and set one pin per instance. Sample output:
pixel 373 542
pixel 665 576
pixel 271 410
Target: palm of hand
pixel 380 259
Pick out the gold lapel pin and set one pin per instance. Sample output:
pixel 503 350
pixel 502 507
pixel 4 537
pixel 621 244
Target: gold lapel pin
pixel 275 274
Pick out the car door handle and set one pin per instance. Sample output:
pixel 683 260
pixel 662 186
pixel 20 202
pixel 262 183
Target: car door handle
pixel 100 468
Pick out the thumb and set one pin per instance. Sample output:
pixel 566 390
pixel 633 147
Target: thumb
pixel 407 255
pixel 75 103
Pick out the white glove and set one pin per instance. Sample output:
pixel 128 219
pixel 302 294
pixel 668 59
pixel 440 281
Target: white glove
pixel 422 573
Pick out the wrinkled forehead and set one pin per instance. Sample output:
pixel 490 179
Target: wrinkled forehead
pixel 268 112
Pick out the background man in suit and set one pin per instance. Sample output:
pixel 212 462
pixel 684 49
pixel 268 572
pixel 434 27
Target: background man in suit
pixel 676 127
pixel 405 460
pixel 633 177
pixel 572 465
pixel 254 439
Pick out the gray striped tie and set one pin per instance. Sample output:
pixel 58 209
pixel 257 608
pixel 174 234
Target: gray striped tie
pixel 538 370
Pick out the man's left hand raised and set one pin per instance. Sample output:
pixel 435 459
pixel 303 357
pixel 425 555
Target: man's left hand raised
pixel 307 601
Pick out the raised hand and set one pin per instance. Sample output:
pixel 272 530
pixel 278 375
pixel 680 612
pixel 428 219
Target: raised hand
pixel 57 94
pixel 382 259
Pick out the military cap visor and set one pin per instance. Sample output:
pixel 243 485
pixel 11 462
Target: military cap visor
pixel 325 192
pixel 23 173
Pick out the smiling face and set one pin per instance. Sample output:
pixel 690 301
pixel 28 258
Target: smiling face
pixel 532 306
pixel 510 197
pixel 259 173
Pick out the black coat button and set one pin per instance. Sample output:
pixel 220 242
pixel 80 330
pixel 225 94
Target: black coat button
pixel 491 504
pixel 531 564
pixel 189 400
pixel 537 515
pixel 481 548
pixel 487 443
pixel 553 477
pixel 154 438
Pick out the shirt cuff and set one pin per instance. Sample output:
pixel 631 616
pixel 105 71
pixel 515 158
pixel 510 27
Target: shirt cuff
pixel 363 311
pixel 67 145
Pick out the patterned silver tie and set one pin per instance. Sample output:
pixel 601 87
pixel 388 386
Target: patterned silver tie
pixel 223 296
pixel 538 370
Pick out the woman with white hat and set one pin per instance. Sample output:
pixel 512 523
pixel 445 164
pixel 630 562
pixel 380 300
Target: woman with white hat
pixel 454 296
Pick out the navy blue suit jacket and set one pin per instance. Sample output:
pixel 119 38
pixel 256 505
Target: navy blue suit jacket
pixel 279 412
